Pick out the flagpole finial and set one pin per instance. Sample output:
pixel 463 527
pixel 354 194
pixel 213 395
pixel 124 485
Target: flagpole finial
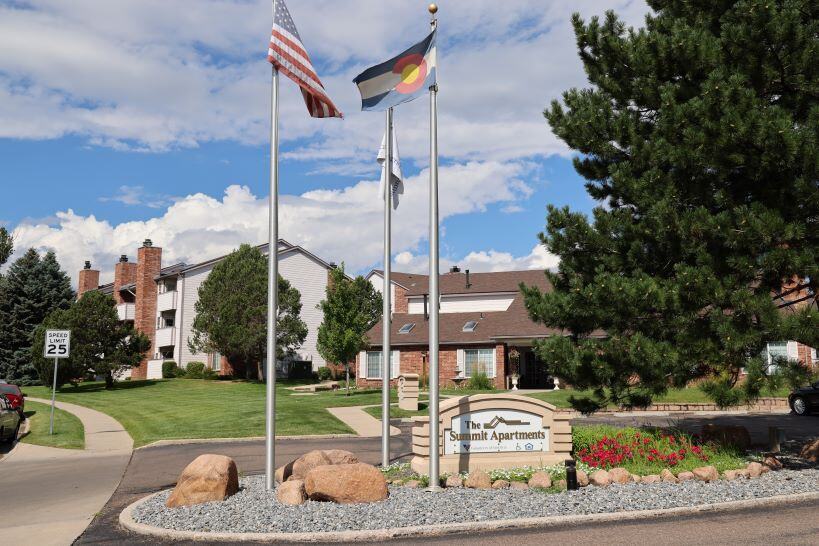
pixel 433 8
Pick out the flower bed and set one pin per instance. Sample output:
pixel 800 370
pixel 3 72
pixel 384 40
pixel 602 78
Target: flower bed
pixel 644 452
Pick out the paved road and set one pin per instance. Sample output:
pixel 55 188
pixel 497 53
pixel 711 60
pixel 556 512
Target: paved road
pixel 156 468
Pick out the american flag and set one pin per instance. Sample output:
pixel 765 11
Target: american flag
pixel 288 55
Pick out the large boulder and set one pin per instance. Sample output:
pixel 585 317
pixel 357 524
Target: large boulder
pixel 810 451
pixel 540 479
pixel 727 435
pixel 619 475
pixel 291 492
pixel 208 478
pixel 706 473
pixel 600 478
pixel 478 480
pixel 298 468
pixel 346 483
pixel 341 456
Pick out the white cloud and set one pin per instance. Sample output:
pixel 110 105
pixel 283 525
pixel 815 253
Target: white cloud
pixel 136 195
pixel 339 225
pixel 480 261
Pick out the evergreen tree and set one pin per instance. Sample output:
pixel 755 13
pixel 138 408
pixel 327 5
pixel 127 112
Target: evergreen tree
pixel 6 245
pixel 351 307
pixel 32 289
pixel 231 314
pixel 699 139
pixel 101 344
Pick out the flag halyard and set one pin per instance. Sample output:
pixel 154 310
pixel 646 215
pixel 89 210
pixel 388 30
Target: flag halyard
pixel 287 53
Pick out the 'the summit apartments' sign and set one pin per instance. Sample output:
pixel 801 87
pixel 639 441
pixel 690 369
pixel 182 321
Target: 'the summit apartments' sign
pixel 496 431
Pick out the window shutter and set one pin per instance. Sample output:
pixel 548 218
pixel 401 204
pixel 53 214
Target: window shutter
pixel 395 370
pixel 793 350
pixel 362 364
pixel 494 363
pixel 460 363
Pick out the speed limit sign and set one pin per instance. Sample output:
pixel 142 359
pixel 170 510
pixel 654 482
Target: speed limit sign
pixel 57 344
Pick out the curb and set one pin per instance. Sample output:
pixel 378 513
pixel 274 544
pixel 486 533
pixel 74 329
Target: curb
pixel 183 441
pixel 127 522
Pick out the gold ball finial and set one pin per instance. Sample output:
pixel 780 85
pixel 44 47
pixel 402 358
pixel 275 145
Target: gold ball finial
pixel 433 8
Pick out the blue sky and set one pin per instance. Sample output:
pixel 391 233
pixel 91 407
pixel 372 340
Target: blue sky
pixel 138 127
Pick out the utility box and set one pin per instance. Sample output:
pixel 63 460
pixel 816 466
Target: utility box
pixel 408 391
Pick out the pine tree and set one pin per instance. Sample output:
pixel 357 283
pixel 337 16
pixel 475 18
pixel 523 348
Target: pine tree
pixel 231 313
pixel 699 139
pixel 6 245
pixel 32 289
pixel 101 344
pixel 351 307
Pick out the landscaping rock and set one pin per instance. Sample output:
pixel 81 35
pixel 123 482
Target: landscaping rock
pixel 733 435
pixel 706 473
pixel 619 475
pixel 600 478
pixel 635 478
pixel 810 451
pixel 291 492
pixel 754 469
pixel 341 456
pixel 478 480
pixel 772 463
pixel 500 484
pixel 540 479
pixel 582 478
pixel 346 483
pixel 651 478
pixel 413 484
pixel 745 473
pixel 308 462
pixel 207 478
pixel 685 476
pixel 519 485
pixel 561 484
pixel 731 475
pixel 454 481
pixel 667 476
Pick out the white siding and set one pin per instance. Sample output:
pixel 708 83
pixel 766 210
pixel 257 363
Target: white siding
pixel 466 303
pixel 189 297
pixel 378 282
pixel 309 277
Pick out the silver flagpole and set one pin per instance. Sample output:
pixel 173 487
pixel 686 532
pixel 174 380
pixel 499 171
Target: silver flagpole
pixel 272 285
pixel 386 322
pixel 434 296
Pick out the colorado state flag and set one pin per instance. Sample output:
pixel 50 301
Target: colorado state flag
pixel 401 79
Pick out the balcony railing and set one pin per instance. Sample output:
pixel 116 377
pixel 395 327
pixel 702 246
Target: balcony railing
pixel 125 311
pixel 166 301
pixel 165 337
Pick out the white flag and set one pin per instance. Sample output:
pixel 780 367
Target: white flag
pixel 396 178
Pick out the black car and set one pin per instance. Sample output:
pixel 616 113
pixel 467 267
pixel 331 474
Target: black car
pixel 804 399
pixel 9 420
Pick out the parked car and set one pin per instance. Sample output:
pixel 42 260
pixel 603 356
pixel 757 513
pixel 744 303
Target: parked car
pixel 804 399
pixel 9 420
pixel 15 396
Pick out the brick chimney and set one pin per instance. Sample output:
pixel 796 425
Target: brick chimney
pixel 125 273
pixel 89 280
pixel 149 262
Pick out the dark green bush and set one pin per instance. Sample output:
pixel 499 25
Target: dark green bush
pixel 324 373
pixel 195 370
pixel 169 369
pixel 207 373
pixel 480 382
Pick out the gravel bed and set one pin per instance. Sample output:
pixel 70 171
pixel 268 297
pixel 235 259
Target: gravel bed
pixel 255 510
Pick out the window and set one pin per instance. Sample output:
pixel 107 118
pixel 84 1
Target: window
pixel 216 362
pixel 373 364
pixel 774 352
pixel 479 361
pixel 470 326
pixel 407 328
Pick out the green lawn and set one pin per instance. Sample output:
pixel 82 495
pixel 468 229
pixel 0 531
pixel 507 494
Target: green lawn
pixel 691 395
pixel 194 408
pixel 68 429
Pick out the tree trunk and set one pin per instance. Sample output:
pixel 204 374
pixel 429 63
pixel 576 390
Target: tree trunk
pixel 260 370
pixel 347 374
pixel 109 380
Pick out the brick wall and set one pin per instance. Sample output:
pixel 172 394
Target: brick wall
pixel 149 262
pixel 124 273
pixel 416 360
pixel 89 280
pixel 804 355
pixel 401 303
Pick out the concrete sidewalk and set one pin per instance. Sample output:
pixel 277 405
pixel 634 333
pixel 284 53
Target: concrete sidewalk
pixel 364 424
pixel 57 492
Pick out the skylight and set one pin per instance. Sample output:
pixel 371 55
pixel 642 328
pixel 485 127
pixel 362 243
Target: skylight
pixel 405 329
pixel 470 326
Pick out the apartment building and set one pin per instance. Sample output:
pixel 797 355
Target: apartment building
pixel 160 301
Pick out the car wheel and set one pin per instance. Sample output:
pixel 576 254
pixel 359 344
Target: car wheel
pixel 799 406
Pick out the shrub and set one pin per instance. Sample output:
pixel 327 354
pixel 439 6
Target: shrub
pixel 209 374
pixel 169 369
pixel 324 373
pixel 195 370
pixel 480 382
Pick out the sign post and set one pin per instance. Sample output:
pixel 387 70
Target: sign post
pixel 57 346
